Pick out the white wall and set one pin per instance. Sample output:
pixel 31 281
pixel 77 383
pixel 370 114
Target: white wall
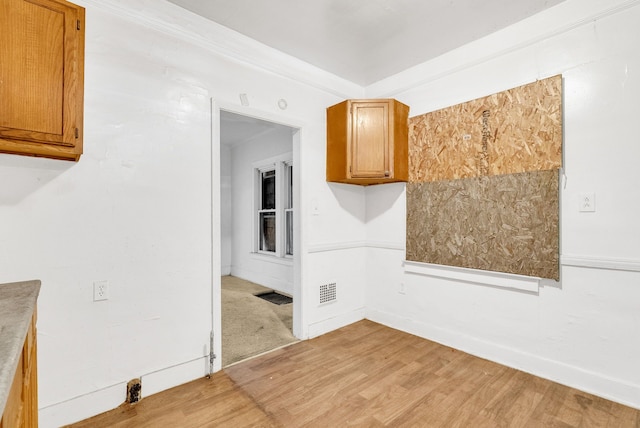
pixel 336 251
pixel 272 272
pixel 582 331
pixel 136 209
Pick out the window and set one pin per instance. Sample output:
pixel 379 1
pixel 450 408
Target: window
pixel 288 210
pixel 267 211
pixel 274 201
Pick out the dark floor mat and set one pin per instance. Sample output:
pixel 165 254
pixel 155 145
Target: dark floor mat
pixel 276 298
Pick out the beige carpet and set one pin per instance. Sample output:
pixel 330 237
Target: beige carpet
pixel 251 325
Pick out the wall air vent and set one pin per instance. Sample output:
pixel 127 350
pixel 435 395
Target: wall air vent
pixel 327 293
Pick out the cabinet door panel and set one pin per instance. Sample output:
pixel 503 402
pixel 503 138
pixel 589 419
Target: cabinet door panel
pixel 32 99
pixel 370 140
pixel 41 67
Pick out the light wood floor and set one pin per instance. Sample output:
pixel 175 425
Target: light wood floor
pixel 368 375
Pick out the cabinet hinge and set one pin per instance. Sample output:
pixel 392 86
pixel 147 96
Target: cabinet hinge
pixel 78 24
pixel 77 133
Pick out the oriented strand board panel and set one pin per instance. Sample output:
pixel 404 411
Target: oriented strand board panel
pixel 514 131
pixel 506 223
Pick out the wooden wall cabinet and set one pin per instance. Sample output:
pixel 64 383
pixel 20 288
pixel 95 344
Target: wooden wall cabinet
pixel 21 409
pixel 367 142
pixel 41 78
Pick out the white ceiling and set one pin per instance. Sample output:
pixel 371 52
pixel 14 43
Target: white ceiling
pixel 365 41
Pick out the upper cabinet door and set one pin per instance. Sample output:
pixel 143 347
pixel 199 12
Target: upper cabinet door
pixel 370 140
pixel 41 78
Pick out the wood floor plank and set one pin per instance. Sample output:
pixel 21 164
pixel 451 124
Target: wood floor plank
pixel 368 375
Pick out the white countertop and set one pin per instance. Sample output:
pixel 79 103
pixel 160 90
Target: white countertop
pixel 17 303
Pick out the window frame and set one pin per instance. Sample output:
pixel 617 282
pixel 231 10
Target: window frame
pixel 266 211
pixel 280 164
pixel 288 233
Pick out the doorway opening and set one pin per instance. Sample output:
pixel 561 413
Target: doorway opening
pixel 258 232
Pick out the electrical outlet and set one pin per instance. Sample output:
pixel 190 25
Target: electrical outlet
pixel 587 202
pixel 100 290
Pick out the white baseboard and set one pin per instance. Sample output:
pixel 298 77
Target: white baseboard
pixel 83 407
pixel 169 377
pixel 325 326
pixel 594 383
pixel 108 398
